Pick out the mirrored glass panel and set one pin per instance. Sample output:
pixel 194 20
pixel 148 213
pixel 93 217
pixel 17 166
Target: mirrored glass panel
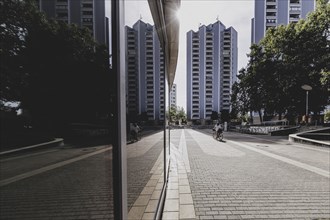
pixel 145 111
pixel 55 111
pixel 167 128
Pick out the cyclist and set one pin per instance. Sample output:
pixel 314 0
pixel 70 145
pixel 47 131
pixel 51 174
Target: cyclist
pixel 135 129
pixel 218 129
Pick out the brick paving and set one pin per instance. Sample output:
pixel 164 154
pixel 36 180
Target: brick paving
pixel 82 189
pixel 231 182
pixel 226 181
pixel 138 169
pixel 58 194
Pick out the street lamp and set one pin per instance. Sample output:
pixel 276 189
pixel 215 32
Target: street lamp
pixel 306 88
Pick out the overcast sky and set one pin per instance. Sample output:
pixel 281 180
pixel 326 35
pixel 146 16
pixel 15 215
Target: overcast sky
pixel 235 13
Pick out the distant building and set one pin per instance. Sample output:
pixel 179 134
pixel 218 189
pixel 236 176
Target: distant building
pixel 145 72
pixel 271 13
pixel 173 96
pixel 211 69
pixel 84 13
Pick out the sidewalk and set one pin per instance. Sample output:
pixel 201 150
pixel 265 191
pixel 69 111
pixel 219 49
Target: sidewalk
pixel 179 202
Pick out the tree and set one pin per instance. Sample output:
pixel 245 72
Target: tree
pixel 16 18
pixel 288 57
pixel 301 53
pixel 181 114
pixel 214 115
pixel 173 114
pixel 55 70
pixel 176 114
pixel 225 115
pixel 68 74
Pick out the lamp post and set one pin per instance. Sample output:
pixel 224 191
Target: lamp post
pixel 306 88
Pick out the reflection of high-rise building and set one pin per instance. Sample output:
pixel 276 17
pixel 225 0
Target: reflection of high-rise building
pixel 211 69
pixel 271 13
pixel 145 72
pixel 84 13
pixel 173 96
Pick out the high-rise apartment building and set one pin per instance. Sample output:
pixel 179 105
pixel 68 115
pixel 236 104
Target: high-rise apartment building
pixel 173 96
pixel 84 13
pixel 211 69
pixel 145 72
pixel 271 13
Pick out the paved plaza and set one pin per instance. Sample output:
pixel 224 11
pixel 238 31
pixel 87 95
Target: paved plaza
pixel 251 177
pixel 242 177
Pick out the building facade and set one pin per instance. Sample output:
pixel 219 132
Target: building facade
pixel 84 13
pixel 145 72
pixel 271 13
pixel 173 96
pixel 211 69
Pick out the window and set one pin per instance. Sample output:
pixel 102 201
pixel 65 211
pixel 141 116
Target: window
pixel 271 7
pixel 270 13
pixel 87 5
pixel 295 16
pixel 271 21
pixel 87 12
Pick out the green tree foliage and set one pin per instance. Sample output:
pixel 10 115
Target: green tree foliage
pixel 327 116
pixel 181 114
pixel 173 113
pixel 214 115
pixel 287 58
pixel 177 113
pixel 55 70
pixel 239 97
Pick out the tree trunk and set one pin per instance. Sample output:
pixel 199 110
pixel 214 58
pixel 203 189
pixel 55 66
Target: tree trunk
pixel 251 118
pixel 280 116
pixel 260 116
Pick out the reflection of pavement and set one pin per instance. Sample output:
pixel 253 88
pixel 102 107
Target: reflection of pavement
pixel 145 175
pixel 60 184
pixel 139 148
pixel 255 177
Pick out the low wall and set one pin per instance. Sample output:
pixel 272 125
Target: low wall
pixel 319 137
pixel 259 129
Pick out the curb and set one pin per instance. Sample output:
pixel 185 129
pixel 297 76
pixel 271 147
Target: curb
pixel 303 140
pixel 54 143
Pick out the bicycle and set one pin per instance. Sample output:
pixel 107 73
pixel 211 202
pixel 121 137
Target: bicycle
pixel 135 136
pixel 218 135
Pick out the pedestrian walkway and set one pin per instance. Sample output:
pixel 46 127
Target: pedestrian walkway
pixel 179 202
pixel 246 177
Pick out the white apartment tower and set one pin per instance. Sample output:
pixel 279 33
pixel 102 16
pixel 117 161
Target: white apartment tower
pixel 173 96
pixel 211 69
pixel 145 72
pixel 271 13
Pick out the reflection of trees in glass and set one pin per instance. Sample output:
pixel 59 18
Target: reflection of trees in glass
pixel 56 71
